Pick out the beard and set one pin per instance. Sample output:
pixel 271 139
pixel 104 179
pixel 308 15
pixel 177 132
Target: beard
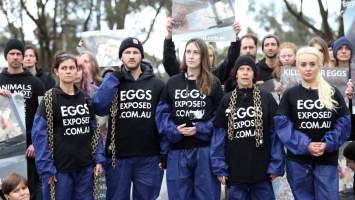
pixel 272 56
pixel 16 64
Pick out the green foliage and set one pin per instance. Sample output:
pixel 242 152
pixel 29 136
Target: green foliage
pixel 287 27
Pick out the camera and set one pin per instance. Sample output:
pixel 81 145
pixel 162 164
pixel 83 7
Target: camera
pixel 194 116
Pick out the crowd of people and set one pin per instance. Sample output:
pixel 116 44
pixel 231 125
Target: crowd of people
pixel 209 124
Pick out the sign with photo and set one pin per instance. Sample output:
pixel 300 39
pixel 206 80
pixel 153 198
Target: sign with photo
pixel 269 86
pixel 349 29
pixel 337 77
pixel 210 20
pixel 104 45
pixel 353 80
pixel 12 136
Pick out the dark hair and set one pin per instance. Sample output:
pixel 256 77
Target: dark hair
pixel 34 51
pixel 267 37
pixel 244 60
pixel 205 79
pixel 11 181
pixel 250 36
pixel 324 45
pixel 61 57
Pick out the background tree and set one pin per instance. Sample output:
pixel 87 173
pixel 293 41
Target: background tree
pixel 291 23
pixel 59 23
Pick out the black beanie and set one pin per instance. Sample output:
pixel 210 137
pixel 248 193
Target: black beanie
pixel 245 60
pixel 14 44
pixel 131 42
pixel 349 151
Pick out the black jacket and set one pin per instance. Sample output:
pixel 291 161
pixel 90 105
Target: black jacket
pixel 46 78
pixel 222 71
pixel 136 133
pixel 264 72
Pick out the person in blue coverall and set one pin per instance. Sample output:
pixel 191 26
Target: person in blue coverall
pixel 130 97
pixel 246 153
pixel 184 117
pixel 66 159
pixel 312 122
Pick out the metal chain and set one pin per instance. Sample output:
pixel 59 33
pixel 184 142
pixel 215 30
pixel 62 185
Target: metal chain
pixel 113 114
pixel 230 112
pixel 258 115
pixel 94 143
pixel 48 103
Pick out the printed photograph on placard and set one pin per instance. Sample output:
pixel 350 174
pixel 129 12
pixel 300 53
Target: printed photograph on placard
pixel 104 45
pixel 349 22
pixel 353 80
pixel 337 77
pixel 12 136
pixel 207 19
pixel 269 86
pixel 349 29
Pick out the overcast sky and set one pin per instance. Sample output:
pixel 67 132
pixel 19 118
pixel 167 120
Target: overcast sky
pixel 155 44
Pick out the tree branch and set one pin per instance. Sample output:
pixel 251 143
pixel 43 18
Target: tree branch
pixel 153 21
pixel 87 20
pixel 300 18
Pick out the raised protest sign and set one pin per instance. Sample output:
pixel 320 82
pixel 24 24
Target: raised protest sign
pixel 12 136
pixel 210 20
pixel 349 29
pixel 104 45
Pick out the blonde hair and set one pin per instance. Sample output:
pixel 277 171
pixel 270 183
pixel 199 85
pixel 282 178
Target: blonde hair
pixel 325 90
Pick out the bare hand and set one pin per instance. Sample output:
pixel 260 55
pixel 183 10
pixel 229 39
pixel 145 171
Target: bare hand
pixel 279 88
pixel 186 131
pixel 30 151
pixel 349 89
pixel 236 28
pixel 5 93
pixel 273 177
pixel 259 82
pixel 316 148
pixel 98 169
pixel 51 180
pixel 222 179
pixel 169 28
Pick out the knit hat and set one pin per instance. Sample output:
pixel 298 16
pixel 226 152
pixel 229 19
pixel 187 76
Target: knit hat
pixel 130 42
pixel 245 60
pixel 270 36
pixel 14 44
pixel 339 42
pixel 349 151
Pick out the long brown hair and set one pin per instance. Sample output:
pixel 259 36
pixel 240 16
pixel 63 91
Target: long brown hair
pixel 205 79
pixel 324 45
pixel 95 71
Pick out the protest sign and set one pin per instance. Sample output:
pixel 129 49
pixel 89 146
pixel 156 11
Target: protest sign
pixel 210 20
pixel 337 77
pixel 104 45
pixel 12 136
